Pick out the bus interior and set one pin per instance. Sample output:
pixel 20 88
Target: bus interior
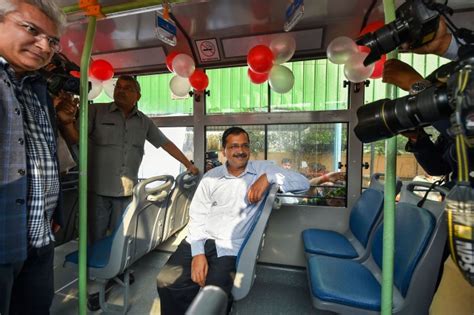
pixel 309 128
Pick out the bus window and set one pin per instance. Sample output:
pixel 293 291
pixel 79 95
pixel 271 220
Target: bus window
pixel 159 162
pixel 314 150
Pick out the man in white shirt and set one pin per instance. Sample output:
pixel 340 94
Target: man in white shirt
pixel 221 215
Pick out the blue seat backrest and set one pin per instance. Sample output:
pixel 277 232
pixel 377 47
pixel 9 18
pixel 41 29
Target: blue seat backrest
pixel 413 229
pixel 365 213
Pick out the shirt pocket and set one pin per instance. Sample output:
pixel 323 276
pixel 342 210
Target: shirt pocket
pixel 107 133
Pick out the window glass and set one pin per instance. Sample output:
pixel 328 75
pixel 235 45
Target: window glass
pixel 232 92
pixel 157 100
pixel 159 162
pixel 318 86
pixel 316 151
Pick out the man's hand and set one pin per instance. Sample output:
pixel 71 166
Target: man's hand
pixel 400 74
pixel 192 169
pixel 199 268
pixel 439 45
pixel 258 189
pixel 66 108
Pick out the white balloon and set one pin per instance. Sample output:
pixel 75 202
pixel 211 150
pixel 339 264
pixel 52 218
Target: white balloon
pixel 281 79
pixel 180 86
pixel 109 87
pixel 354 69
pixel 283 47
pixel 183 65
pixel 96 89
pixel 341 49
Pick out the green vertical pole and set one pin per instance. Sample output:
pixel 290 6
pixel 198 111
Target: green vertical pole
pixel 83 134
pixel 389 198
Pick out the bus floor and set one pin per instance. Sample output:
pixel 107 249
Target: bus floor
pixel 276 290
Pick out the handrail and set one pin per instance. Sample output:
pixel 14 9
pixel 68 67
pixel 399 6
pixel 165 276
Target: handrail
pixel 389 192
pixel 83 138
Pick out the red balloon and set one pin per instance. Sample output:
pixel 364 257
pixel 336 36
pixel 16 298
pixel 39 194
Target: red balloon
pixel 257 78
pixel 260 59
pixel 169 60
pixel 371 27
pixel 199 80
pixel 101 69
pixel 378 69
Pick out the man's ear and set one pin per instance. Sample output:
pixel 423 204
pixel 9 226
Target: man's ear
pixel 139 96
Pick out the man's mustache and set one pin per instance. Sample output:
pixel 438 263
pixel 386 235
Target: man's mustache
pixel 240 155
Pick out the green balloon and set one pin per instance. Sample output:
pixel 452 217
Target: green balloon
pixel 281 79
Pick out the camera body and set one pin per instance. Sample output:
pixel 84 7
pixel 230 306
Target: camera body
pixel 416 24
pixel 58 75
pixel 212 160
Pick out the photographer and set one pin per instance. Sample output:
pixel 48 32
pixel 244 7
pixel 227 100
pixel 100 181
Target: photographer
pixel 439 157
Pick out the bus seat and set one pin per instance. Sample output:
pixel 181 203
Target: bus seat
pixel 409 195
pixel 365 215
pixel 362 221
pixel 177 212
pixel 353 287
pixel 248 254
pixel 138 232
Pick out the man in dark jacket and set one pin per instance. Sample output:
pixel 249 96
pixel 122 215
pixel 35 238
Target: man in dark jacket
pixel 29 172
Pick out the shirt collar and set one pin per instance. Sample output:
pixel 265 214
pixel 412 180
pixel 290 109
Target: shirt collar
pixel 250 169
pixel 113 107
pixel 5 65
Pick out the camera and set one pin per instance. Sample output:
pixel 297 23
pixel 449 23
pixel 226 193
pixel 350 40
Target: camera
pixel 416 24
pixel 385 118
pixel 58 75
pixel 212 160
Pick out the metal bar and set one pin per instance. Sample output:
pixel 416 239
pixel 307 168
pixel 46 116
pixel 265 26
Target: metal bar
pixel 389 198
pixel 129 6
pixel 83 135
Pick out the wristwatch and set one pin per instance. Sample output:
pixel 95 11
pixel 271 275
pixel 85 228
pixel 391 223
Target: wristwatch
pixel 419 86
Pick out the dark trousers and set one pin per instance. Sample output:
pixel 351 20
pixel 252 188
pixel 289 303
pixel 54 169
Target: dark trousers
pixel 103 214
pixel 28 287
pixel 175 287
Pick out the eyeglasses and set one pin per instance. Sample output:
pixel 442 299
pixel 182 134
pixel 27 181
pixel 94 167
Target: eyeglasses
pixel 236 146
pixel 53 42
pixel 126 88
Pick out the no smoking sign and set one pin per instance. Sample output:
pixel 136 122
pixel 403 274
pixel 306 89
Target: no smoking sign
pixel 208 50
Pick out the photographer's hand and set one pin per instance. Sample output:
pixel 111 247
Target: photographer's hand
pixel 439 45
pixel 66 108
pixel 400 74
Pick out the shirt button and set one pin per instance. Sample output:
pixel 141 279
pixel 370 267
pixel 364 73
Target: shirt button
pixel 21 141
pixel 20 202
pixel 17 111
pixel 21 172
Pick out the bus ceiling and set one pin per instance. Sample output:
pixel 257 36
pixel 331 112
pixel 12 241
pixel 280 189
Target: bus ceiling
pixel 218 33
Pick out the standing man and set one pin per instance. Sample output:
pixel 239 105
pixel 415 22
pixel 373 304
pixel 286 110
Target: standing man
pixel 117 134
pixel 221 213
pixel 29 172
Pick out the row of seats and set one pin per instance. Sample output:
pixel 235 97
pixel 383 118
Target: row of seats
pixel 159 208
pixel 344 270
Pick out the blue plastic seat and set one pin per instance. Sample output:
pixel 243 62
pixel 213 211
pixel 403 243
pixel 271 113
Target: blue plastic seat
pixel 354 287
pixel 352 244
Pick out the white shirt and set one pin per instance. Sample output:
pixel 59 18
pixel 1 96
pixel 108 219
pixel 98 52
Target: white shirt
pixel 220 209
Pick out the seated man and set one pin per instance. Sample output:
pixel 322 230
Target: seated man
pixel 221 212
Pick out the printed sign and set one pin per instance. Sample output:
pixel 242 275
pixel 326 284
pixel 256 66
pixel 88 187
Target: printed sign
pixel 208 50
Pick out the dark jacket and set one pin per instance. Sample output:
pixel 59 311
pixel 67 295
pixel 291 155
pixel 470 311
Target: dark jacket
pixel 13 168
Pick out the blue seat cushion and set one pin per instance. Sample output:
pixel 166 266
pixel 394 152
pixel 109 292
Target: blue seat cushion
pixel 344 282
pixel 98 254
pixel 329 243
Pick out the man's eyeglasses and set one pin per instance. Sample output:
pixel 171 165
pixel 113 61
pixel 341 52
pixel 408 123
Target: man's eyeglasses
pixel 53 42
pixel 126 88
pixel 236 146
